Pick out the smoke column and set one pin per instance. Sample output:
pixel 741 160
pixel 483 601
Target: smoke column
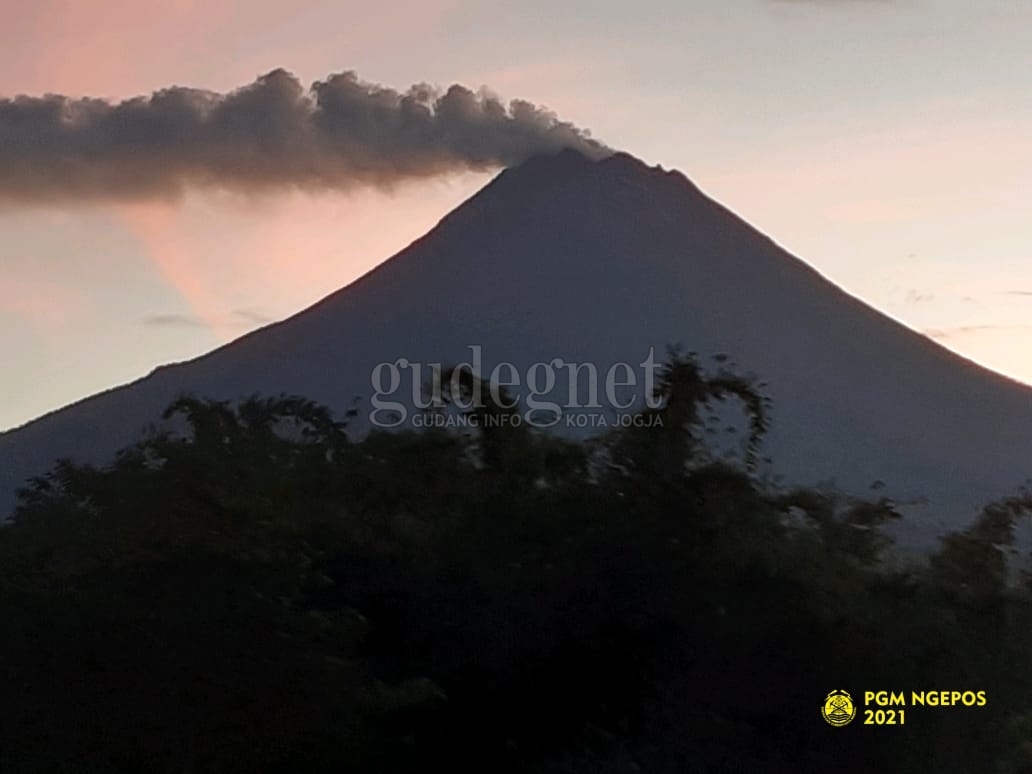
pixel 337 134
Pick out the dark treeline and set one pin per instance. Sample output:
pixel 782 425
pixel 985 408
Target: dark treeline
pixel 264 593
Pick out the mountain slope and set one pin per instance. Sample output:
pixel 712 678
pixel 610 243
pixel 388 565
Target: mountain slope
pixel 597 262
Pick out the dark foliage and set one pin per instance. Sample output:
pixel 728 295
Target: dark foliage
pixel 263 594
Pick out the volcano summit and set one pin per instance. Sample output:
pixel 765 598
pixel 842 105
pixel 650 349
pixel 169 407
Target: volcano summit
pixel 598 262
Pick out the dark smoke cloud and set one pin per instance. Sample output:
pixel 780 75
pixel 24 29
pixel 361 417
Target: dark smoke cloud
pixel 273 133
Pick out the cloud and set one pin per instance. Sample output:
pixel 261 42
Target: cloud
pixel 274 133
pixel 174 321
pixel 252 316
pixel 238 318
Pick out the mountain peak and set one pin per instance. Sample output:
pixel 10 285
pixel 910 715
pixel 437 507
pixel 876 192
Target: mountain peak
pixel 566 258
pixel 615 165
pixel 574 182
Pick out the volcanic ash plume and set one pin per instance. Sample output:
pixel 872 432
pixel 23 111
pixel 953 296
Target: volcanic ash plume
pixel 274 133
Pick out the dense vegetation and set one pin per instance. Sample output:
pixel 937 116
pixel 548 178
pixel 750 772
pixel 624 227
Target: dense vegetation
pixel 263 593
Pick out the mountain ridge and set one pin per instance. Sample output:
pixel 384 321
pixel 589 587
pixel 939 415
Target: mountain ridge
pixel 552 257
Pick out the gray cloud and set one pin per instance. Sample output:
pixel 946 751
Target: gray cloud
pixel 174 321
pixel 339 133
pixel 252 316
pixel 238 318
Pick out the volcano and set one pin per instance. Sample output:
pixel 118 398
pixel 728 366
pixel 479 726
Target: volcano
pixel 599 261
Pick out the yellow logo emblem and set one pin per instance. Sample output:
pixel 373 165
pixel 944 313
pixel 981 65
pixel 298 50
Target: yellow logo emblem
pixel 838 708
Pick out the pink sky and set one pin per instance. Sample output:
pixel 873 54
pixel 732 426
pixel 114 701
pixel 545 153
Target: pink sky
pixel 885 145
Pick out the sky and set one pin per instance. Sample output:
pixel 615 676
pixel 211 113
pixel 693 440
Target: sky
pixel 885 142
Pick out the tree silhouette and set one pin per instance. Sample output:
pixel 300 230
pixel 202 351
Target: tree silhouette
pixel 252 589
